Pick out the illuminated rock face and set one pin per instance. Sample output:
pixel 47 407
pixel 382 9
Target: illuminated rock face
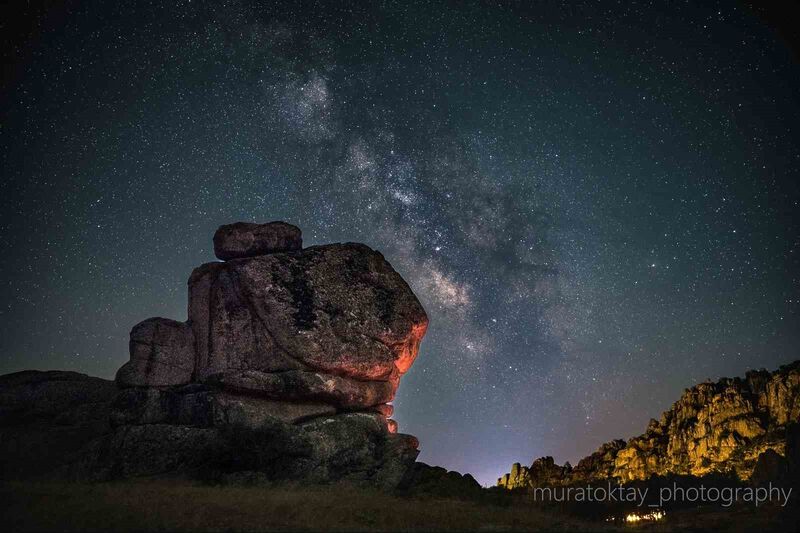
pixel 714 427
pixel 303 348
pixel 717 427
pixel 543 471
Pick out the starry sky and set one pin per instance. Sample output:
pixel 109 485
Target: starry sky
pixel 597 203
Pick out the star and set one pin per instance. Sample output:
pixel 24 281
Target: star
pixel 588 221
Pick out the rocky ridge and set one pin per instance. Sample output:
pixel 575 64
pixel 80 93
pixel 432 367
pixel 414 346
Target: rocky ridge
pixel 722 427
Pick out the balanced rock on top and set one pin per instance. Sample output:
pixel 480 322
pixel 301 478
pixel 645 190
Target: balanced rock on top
pixel 246 239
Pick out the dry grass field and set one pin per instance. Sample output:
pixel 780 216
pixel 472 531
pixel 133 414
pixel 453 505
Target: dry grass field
pixel 183 506
pixel 167 506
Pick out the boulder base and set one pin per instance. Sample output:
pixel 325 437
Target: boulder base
pixel 354 447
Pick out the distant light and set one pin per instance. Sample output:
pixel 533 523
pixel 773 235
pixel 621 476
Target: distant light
pixel 652 516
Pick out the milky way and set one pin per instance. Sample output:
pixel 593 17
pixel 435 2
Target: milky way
pixel 597 205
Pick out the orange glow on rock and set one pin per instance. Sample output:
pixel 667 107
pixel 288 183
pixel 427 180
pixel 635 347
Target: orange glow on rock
pixel 407 351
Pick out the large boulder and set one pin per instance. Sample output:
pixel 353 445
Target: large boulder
pixel 339 309
pixel 426 480
pixel 355 447
pixel 48 419
pixel 162 354
pixel 245 239
pixel 32 395
pixel 771 468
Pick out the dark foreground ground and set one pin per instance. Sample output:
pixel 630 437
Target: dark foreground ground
pixel 182 506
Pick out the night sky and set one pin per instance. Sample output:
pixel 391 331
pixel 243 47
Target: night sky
pixel 597 203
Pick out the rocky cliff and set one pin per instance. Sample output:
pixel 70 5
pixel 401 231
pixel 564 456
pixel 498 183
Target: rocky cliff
pixel 714 427
pixel 285 370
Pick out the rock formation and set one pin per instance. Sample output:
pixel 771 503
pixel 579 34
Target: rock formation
pixel 543 471
pixel 714 427
pixel 47 419
pixel 425 480
pixel 284 370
